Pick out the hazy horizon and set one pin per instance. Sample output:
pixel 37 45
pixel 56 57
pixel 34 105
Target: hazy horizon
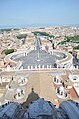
pixel 33 25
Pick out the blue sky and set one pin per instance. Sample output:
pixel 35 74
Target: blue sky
pixel 39 12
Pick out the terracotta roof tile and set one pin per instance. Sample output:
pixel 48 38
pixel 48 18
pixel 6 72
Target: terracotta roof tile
pixel 73 93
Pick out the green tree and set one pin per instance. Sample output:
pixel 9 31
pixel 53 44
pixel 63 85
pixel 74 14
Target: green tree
pixel 77 47
pixel 22 36
pixel 8 51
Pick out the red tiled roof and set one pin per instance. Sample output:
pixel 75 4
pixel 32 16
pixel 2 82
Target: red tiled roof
pixel 73 93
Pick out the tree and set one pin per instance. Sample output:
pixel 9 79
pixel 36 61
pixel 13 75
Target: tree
pixel 77 47
pixel 22 36
pixel 8 51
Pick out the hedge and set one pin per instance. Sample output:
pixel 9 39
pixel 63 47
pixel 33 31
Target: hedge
pixel 8 51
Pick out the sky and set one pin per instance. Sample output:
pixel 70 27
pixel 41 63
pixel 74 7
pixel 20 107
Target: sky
pixel 16 13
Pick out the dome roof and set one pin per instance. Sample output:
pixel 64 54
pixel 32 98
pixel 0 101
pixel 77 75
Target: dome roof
pixel 40 107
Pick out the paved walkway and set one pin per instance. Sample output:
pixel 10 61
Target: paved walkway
pixel 38 85
pixel 42 85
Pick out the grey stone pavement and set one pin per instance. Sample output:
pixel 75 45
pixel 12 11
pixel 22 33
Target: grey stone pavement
pixel 39 57
pixel 44 58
